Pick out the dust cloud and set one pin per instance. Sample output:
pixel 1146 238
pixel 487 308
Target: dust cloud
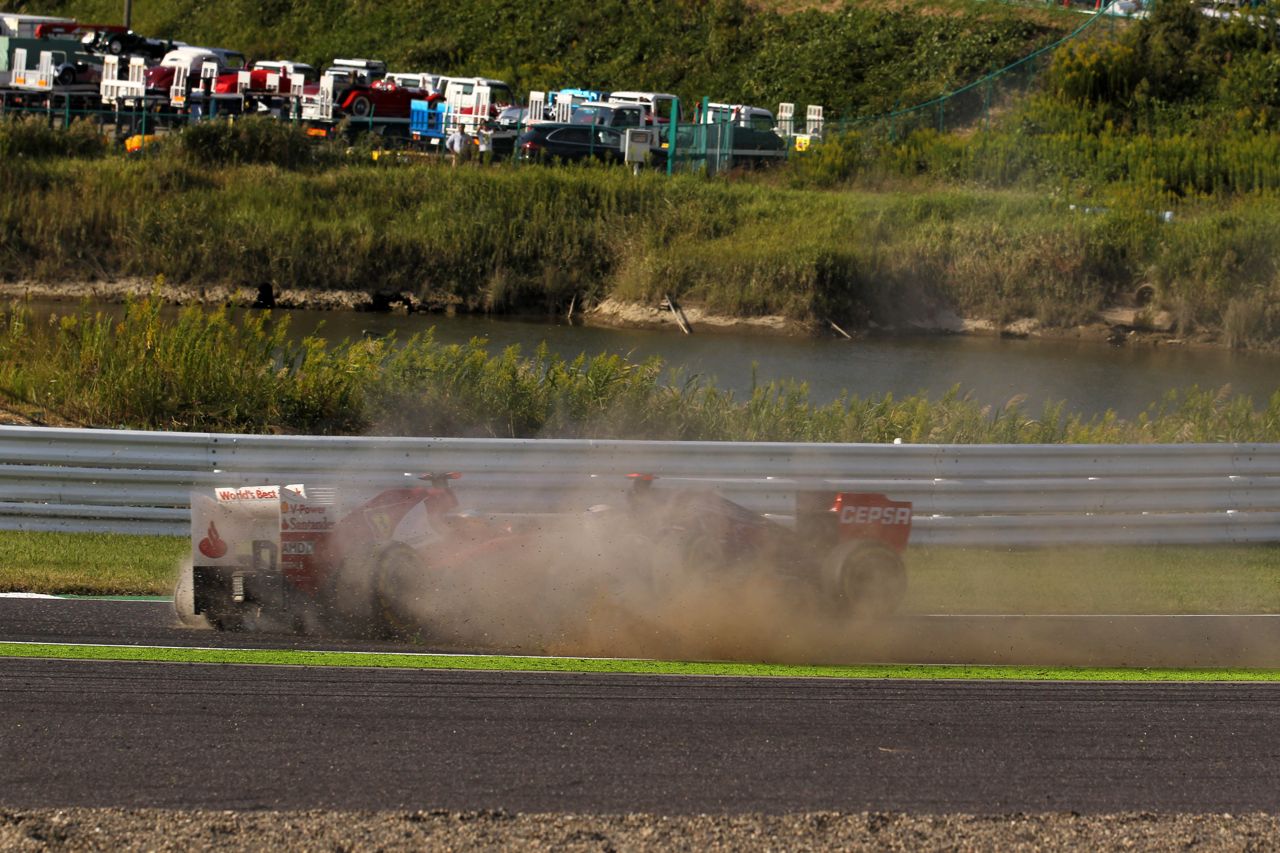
pixel 597 582
pixel 599 586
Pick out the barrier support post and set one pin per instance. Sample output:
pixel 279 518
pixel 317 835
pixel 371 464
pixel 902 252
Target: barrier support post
pixel 672 127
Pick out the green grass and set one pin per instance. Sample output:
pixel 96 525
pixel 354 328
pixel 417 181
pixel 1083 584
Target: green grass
pixel 1092 579
pixel 536 239
pixel 203 371
pixel 632 667
pixel 89 563
pixel 943 580
pixel 847 58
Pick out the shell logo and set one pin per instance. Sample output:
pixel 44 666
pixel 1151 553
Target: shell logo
pixel 213 546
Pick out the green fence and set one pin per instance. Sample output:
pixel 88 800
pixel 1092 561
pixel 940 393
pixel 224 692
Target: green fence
pixel 970 105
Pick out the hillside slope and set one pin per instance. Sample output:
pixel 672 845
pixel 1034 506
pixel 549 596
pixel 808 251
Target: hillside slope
pixel 852 58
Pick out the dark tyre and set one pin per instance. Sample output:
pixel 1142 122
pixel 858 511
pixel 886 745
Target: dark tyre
pixel 864 579
pixel 398 587
pixel 115 47
pixel 704 552
pixel 66 77
pixel 226 620
pixel 360 107
pixel 211 596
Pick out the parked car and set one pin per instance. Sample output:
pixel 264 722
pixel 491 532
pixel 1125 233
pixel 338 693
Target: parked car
pixel 160 77
pixel 423 80
pixel 70 71
pixel 610 115
pixel 117 41
pixel 229 83
pixel 362 89
pixel 570 142
pixel 461 93
pixel 747 133
pixel 660 107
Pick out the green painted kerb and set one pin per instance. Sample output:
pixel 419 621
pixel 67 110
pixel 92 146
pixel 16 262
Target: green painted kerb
pixel 271 657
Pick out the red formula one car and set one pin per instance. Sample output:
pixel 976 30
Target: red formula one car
pixel 302 558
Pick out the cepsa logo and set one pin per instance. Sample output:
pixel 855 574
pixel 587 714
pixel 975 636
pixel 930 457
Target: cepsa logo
pixel 887 515
pixel 249 493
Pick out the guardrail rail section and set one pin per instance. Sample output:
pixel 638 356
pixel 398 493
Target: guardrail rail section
pixel 1003 495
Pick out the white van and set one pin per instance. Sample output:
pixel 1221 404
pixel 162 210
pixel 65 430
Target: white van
pixel 661 106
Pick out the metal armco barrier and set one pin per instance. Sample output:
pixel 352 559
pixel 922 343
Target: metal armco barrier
pixel 140 482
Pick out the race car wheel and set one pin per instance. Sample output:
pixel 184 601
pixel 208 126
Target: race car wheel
pixel 360 107
pixel 211 592
pixel 66 77
pixel 115 47
pixel 703 552
pixel 398 583
pixel 184 598
pixel 864 579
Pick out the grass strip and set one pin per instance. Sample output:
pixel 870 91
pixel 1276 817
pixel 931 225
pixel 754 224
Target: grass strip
pixel 509 663
pixel 1078 579
pixel 89 564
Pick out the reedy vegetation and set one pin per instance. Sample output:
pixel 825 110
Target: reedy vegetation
pixel 206 209
pixel 729 50
pixel 205 372
pixel 1176 113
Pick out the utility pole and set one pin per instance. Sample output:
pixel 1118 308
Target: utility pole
pixel 128 14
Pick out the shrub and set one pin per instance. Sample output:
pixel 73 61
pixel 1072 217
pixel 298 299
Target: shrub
pixel 32 136
pixel 247 139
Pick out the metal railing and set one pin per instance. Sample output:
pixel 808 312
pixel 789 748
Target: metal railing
pixel 140 482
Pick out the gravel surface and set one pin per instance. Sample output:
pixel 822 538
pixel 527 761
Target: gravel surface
pixel 154 829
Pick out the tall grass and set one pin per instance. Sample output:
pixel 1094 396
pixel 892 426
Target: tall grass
pixel 35 137
pixel 524 238
pixel 200 372
pixel 203 371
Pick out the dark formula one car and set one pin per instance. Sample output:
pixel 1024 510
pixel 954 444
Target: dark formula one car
pixel 302 558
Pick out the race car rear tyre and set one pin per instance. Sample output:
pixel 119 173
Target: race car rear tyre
pixel 398 582
pixel 703 552
pixel 864 579
pixel 184 604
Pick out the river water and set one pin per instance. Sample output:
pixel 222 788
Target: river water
pixel 1090 377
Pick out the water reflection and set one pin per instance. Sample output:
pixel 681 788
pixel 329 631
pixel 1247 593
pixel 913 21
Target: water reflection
pixel 1090 377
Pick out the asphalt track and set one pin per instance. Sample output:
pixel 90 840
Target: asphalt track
pixel 80 733
pixel 236 737
pixel 1127 641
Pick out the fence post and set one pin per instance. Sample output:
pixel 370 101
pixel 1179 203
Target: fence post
pixel 986 103
pixel 672 126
